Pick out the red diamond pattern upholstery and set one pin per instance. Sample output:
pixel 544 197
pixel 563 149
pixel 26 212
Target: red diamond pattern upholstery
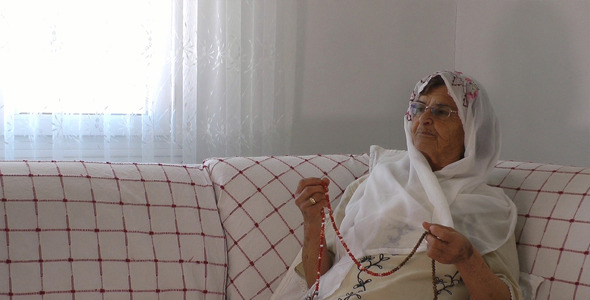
pixel 553 229
pixel 109 231
pixel 263 225
pixel 229 229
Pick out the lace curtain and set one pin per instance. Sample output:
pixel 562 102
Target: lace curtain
pixel 148 81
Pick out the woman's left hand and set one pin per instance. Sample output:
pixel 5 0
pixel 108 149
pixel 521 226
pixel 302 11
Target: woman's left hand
pixel 446 245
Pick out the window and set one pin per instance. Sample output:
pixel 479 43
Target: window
pixel 118 80
pixel 91 76
pixel 83 57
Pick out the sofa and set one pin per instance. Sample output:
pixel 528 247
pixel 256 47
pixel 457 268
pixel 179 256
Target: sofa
pixel 229 229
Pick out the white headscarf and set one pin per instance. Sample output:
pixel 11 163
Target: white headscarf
pixel 386 212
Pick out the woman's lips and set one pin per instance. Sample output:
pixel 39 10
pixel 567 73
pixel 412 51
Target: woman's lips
pixel 426 133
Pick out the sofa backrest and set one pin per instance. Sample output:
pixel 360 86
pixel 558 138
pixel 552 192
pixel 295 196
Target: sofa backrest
pixel 114 231
pixel 263 225
pixel 553 229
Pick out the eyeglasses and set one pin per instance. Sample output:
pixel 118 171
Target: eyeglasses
pixel 438 111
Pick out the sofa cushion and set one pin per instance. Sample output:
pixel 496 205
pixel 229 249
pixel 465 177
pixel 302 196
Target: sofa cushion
pixel 262 223
pixel 109 231
pixel 553 229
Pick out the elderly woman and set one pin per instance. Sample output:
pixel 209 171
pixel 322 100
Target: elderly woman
pixel 438 187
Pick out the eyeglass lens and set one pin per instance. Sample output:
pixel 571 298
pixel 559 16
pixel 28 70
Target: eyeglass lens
pixel 417 109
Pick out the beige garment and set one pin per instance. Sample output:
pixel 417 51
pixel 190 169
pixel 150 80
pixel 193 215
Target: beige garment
pixel 414 280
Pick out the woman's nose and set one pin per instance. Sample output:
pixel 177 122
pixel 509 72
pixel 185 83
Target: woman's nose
pixel 426 117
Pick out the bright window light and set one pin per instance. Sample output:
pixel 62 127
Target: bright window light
pixel 82 57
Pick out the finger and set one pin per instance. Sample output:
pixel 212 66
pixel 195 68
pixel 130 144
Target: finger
pixel 433 251
pixel 441 232
pixel 305 182
pixel 308 208
pixel 429 227
pixel 313 212
pixel 326 182
pixel 316 191
pixel 435 243
pixel 319 200
pixel 426 226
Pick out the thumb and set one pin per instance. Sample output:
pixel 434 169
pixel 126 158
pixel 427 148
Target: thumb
pixel 426 226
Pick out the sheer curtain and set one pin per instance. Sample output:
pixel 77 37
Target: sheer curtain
pixel 147 81
pixel 245 60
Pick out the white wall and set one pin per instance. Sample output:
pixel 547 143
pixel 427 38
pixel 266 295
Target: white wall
pixel 533 57
pixel 356 69
pixel 359 60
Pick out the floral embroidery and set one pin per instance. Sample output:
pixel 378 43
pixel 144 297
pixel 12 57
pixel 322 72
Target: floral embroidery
pixel 408 115
pixel 350 295
pixel 445 284
pixel 469 88
pixel 457 81
pixel 368 263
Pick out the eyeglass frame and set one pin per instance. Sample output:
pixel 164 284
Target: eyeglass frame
pixel 431 107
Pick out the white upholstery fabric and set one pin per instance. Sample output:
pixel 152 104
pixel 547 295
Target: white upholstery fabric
pixel 49 248
pixel 109 231
pixel 262 223
pixel 552 231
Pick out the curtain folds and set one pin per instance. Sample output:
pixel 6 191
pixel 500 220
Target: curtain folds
pixel 148 81
pixel 246 74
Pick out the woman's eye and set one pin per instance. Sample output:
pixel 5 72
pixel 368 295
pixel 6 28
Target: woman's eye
pixel 440 112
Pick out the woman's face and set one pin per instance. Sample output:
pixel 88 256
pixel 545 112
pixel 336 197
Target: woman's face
pixel 440 140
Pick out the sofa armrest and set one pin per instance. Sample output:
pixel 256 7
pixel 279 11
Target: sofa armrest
pixel 100 230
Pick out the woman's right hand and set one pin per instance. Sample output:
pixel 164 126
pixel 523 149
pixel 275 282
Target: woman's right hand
pixel 313 188
pixel 310 197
